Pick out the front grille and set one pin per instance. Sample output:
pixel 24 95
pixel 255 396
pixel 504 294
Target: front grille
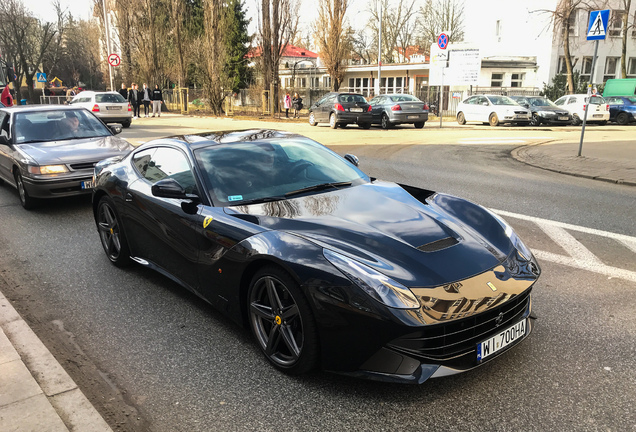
pixel 83 165
pixel 440 342
pixel 438 244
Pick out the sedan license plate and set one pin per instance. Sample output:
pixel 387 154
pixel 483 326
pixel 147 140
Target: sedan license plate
pixel 564 118
pixel 115 108
pixel 521 116
pixel 598 115
pixel 412 117
pixel 88 184
pixel 501 340
pixel 355 109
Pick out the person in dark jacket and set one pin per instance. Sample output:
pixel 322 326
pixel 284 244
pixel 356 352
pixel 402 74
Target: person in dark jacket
pixel 123 91
pixel 133 99
pixel 157 98
pixel 146 98
pixel 297 104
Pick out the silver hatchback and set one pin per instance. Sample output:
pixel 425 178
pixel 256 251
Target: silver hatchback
pixel 393 109
pixel 109 107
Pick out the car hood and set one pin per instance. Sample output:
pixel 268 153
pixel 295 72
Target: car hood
pixel 73 151
pixel 549 108
pixel 419 244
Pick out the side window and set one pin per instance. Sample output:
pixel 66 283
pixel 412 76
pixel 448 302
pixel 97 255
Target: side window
pixel 331 99
pixel 170 163
pixel 571 101
pixel 560 101
pixel 141 161
pixel 4 123
pixel 482 100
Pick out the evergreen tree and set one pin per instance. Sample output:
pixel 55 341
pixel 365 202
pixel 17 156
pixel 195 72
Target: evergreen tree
pixel 237 45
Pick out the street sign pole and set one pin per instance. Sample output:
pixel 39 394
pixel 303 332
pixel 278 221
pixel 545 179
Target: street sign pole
pixel 587 105
pixel 439 104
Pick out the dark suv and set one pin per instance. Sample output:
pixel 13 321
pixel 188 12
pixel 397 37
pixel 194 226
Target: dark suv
pixel 340 109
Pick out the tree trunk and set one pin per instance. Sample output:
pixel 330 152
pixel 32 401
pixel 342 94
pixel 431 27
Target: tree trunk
pixel 566 53
pixel 628 5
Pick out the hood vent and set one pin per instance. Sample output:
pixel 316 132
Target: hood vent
pixel 438 244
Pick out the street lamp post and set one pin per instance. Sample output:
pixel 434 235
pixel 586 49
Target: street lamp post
pixel 106 29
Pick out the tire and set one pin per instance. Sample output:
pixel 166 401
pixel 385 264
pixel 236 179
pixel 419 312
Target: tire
pixel 493 120
pixel 576 120
pixel 535 120
pixel 127 124
pixel 282 321
pixel 332 121
pixel 312 119
pixel 622 118
pixel 25 199
pixel 111 233
pixel 365 125
pixel 385 123
pixel 461 119
pixel 419 125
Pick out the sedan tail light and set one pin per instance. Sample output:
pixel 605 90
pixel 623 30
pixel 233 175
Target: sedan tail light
pixel 396 108
pixel 129 107
pixel 607 107
pixel 95 108
pixel 425 107
pixel 339 107
pixel 369 109
pixel 584 105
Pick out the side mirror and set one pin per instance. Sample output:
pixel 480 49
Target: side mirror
pixel 115 128
pixel 170 188
pixel 353 160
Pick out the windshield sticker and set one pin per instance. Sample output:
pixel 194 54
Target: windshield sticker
pixel 207 221
pixel 235 198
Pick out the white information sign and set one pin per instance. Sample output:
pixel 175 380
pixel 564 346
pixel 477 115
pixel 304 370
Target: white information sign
pixel 465 65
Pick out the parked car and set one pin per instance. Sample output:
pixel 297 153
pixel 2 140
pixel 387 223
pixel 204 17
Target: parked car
pixel 49 151
pixel 393 109
pixel 341 109
pixel 328 267
pixel 543 110
pixel 492 109
pixel 110 107
pixel 622 109
pixel 598 112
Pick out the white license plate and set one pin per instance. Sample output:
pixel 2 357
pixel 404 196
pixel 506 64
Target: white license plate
pixel 412 117
pixel 521 116
pixel 597 115
pixel 113 108
pixel 355 109
pixel 563 118
pixel 88 184
pixel 501 340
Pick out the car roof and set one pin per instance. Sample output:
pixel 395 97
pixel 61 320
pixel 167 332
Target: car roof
pixel 207 139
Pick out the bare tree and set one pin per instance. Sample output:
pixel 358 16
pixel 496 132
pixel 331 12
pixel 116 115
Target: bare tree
pixel 362 46
pixel 333 38
pixel 437 16
pixel 627 5
pixel 398 19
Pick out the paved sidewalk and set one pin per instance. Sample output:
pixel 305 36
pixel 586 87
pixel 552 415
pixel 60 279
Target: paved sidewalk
pixel 36 393
pixel 609 161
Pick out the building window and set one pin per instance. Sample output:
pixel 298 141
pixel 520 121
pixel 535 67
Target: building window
pixel 326 82
pixel 611 66
pixel 315 82
pixel 517 80
pixel 301 82
pixel 496 80
pixel 573 29
pixel 561 68
pixel 586 69
pixel 616 23
pixel 631 70
pixel 398 84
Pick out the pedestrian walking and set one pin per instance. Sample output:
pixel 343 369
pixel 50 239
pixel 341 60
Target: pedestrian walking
pixel 123 91
pixel 70 94
pixel 157 98
pixel 133 99
pixel 297 104
pixel 287 103
pixel 146 96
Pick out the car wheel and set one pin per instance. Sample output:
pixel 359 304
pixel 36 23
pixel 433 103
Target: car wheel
pixel 461 119
pixel 25 199
pixel 385 123
pixel 576 120
pixel 282 321
pixel 312 119
pixel 493 120
pixel 622 118
pixel 419 125
pixel 111 233
pixel 365 125
pixel 127 124
pixel 332 121
pixel 535 120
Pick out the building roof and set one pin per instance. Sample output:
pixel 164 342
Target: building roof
pixel 290 51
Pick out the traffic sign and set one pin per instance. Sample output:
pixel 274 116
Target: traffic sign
pixel 598 25
pixel 114 60
pixel 41 77
pixel 442 41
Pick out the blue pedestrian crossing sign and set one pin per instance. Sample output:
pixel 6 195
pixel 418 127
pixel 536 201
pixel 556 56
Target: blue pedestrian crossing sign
pixel 41 77
pixel 598 25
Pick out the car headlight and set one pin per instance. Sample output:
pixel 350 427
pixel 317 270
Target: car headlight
pixel 380 287
pixel 521 247
pixel 546 113
pixel 48 169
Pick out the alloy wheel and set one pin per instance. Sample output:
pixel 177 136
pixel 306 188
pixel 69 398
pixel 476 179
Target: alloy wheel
pixel 109 231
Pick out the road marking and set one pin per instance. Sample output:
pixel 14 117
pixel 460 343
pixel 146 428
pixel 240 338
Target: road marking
pixel 579 256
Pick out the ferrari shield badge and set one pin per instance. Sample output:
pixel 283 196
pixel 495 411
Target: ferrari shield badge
pixel 207 221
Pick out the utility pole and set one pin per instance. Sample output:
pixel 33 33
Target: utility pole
pixel 107 30
pixel 377 86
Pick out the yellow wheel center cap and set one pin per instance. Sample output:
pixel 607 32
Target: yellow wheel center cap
pixel 277 320
pixel 111 231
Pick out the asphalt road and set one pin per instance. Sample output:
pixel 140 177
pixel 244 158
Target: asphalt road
pixel 151 356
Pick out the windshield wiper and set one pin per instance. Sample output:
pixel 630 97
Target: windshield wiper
pixel 258 200
pixel 318 187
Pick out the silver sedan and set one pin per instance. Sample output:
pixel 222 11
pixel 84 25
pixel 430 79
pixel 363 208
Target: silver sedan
pixel 393 109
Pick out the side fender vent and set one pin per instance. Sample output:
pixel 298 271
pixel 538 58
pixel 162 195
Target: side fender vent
pixel 438 244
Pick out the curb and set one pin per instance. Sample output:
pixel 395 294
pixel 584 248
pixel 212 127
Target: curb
pixel 54 401
pixel 515 153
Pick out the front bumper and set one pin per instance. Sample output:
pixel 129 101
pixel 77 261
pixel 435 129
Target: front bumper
pixel 57 187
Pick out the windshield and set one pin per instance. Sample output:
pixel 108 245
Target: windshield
pixel 597 100
pixel 404 98
pixel 501 100
pixel 540 102
pixel 248 171
pixel 40 126
pixel 109 98
pixel 351 98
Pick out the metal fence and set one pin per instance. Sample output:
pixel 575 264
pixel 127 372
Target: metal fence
pixel 55 100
